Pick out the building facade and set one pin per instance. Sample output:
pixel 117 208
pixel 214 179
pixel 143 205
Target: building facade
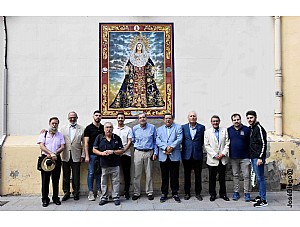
pixel 223 65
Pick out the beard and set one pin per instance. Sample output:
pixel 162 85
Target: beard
pixel 53 130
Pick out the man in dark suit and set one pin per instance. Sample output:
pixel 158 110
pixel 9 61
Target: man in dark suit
pixel 192 154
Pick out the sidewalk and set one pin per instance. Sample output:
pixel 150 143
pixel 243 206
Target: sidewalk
pixel 277 202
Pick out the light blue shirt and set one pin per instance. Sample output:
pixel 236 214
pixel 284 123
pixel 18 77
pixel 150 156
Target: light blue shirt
pixel 216 131
pixel 144 138
pixel 193 131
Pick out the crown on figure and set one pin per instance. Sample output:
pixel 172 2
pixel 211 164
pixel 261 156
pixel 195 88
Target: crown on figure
pixel 140 39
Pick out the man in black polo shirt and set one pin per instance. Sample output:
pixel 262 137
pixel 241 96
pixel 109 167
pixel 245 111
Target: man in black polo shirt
pixel 90 134
pixel 109 147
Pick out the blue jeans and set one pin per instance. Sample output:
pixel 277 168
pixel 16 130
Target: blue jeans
pixel 259 172
pixel 90 175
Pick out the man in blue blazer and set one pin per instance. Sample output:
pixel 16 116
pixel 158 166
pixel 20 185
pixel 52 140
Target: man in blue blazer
pixel 192 154
pixel 168 140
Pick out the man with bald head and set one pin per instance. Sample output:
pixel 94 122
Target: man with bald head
pixel 72 156
pixel 192 154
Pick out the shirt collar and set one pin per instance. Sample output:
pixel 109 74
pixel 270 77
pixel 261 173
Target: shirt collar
pixel 170 126
pixel 73 126
pixel 241 126
pixel 122 127
pixel 192 127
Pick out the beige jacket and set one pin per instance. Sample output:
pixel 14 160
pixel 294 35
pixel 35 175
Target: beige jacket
pixel 75 147
pixel 213 147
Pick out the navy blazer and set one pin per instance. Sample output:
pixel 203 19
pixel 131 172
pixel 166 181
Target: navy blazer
pixel 192 146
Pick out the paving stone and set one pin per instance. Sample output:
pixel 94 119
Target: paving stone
pixel 277 201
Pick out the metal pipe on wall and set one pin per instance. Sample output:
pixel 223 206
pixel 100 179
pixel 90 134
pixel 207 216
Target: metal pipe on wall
pixel 5 82
pixel 278 78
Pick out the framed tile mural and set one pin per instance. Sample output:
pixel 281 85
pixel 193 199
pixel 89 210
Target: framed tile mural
pixel 136 69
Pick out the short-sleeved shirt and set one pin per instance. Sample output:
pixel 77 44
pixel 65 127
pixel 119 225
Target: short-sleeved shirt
pixel 102 144
pixel 52 143
pixel 124 133
pixel 92 131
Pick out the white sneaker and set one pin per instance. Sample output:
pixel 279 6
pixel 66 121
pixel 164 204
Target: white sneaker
pixel 99 194
pixel 91 196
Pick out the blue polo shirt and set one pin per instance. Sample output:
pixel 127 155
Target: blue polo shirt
pixel 239 142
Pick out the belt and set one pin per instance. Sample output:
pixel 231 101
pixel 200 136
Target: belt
pixel 144 150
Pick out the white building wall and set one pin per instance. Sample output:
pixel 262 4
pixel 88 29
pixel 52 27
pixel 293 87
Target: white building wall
pixel 222 65
pixel 1 74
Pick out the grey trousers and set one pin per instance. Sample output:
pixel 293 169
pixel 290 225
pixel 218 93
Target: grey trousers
pixel 239 165
pixel 112 173
pixel 142 160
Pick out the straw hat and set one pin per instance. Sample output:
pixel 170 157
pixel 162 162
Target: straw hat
pixel 48 164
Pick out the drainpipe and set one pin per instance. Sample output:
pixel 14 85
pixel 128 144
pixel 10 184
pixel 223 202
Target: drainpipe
pixel 4 123
pixel 278 78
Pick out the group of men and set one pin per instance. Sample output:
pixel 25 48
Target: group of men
pixel 170 144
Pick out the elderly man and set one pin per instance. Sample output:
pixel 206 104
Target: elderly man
pixel 72 155
pixel 169 137
pixel 192 154
pixel 109 147
pixel 216 143
pixel 144 140
pixel 51 143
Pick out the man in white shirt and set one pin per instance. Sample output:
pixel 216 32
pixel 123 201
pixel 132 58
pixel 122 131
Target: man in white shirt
pixel 125 134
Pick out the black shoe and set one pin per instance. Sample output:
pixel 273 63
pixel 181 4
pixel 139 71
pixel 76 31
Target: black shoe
pixel 257 198
pixel 117 202
pixel 212 198
pixel 57 202
pixel 103 202
pixel 224 197
pixel 261 203
pixel 176 198
pixel 126 195
pixel 199 197
pixel 76 197
pixel 135 197
pixel 163 198
pixel 45 203
pixel 150 197
pixel 66 197
pixel 187 196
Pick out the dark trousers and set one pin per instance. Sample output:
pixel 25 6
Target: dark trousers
pixel 55 175
pixel 126 167
pixel 213 171
pixel 188 166
pixel 169 169
pixel 67 167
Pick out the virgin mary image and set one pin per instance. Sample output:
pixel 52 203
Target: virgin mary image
pixel 138 89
